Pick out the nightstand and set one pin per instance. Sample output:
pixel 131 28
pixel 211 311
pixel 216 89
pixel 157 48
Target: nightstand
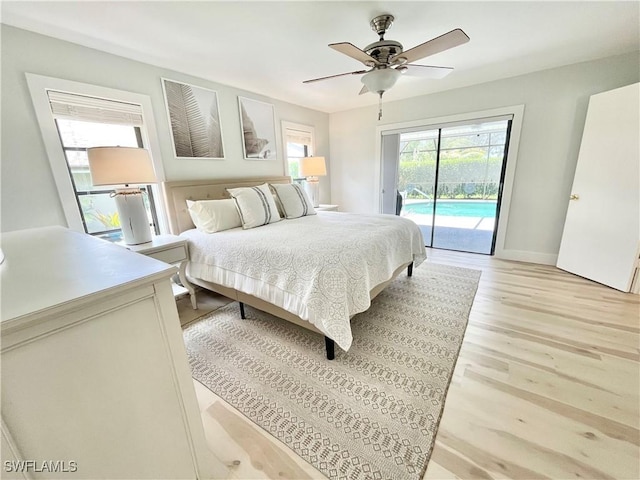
pixel 169 249
pixel 326 208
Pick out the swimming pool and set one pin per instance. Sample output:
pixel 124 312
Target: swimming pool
pixel 459 208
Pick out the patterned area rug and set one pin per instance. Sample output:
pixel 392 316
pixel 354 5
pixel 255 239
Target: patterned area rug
pixel 373 412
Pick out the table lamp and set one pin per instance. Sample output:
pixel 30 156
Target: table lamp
pixel 312 168
pixel 125 166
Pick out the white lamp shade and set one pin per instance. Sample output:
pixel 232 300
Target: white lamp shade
pixel 381 80
pixel 312 167
pixel 120 166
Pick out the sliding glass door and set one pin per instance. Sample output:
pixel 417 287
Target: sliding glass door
pixel 417 169
pixel 449 181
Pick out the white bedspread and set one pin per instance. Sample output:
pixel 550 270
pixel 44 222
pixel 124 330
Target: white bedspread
pixel 320 267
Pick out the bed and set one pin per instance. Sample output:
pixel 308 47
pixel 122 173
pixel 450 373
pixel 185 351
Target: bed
pixel 316 271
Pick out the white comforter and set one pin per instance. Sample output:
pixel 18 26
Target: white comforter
pixel 320 267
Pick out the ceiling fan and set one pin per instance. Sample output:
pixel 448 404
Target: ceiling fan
pixel 387 60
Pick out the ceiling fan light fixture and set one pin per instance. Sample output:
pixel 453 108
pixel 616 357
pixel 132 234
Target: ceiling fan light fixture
pixel 381 80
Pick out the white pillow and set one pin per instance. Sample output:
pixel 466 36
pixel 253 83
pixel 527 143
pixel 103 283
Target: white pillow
pixel 256 205
pixel 211 216
pixel 293 200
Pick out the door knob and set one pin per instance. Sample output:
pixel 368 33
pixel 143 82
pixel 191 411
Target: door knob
pixel 574 196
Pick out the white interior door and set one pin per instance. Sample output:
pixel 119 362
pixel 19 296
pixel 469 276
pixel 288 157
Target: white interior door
pixel 601 236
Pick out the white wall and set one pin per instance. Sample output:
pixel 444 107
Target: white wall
pixel 555 108
pixel 29 195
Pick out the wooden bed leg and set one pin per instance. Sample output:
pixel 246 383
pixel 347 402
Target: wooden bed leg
pixel 242 315
pixel 410 270
pixel 330 345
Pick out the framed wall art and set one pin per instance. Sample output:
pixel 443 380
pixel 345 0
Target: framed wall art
pixel 194 117
pixel 257 120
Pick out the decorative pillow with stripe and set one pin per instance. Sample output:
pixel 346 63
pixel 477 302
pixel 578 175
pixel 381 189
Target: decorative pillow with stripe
pixel 293 200
pixel 256 205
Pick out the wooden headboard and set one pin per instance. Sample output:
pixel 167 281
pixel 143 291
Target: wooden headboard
pixel 177 193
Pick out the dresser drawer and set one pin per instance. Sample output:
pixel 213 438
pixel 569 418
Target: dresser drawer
pixel 170 255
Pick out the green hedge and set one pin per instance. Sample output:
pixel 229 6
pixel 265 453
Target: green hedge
pixel 459 177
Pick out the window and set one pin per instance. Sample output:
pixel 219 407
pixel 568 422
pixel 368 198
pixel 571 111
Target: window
pixel 97 206
pixel 85 122
pixel 299 143
pixel 94 116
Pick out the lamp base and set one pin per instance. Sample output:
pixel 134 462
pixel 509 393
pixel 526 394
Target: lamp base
pixel 312 187
pixel 133 216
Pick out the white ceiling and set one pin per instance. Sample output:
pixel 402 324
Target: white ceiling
pixel 271 47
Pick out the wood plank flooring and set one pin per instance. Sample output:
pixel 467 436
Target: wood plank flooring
pixel 546 386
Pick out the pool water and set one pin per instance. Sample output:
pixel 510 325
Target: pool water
pixel 460 208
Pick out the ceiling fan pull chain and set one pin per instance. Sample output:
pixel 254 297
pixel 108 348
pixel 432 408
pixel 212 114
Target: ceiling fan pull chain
pixel 380 107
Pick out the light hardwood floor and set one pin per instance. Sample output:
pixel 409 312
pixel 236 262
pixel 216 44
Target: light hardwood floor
pixel 546 386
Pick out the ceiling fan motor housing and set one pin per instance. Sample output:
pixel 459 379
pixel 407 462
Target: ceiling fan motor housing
pixel 383 50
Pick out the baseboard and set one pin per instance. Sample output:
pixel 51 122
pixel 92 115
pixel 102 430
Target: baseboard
pixel 530 257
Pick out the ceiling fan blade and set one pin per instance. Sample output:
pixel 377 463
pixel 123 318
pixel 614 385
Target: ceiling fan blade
pixel 364 90
pixel 427 71
pixel 357 72
pixel 439 44
pixel 354 52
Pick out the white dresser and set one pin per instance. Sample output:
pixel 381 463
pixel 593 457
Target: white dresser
pixel 95 380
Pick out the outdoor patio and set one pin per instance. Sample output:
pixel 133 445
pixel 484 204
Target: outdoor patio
pixel 468 234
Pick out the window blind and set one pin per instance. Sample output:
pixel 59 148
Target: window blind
pixel 299 137
pixel 93 109
pixel 436 126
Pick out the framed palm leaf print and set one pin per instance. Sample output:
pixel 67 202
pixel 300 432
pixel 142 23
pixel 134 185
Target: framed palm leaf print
pixel 194 117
